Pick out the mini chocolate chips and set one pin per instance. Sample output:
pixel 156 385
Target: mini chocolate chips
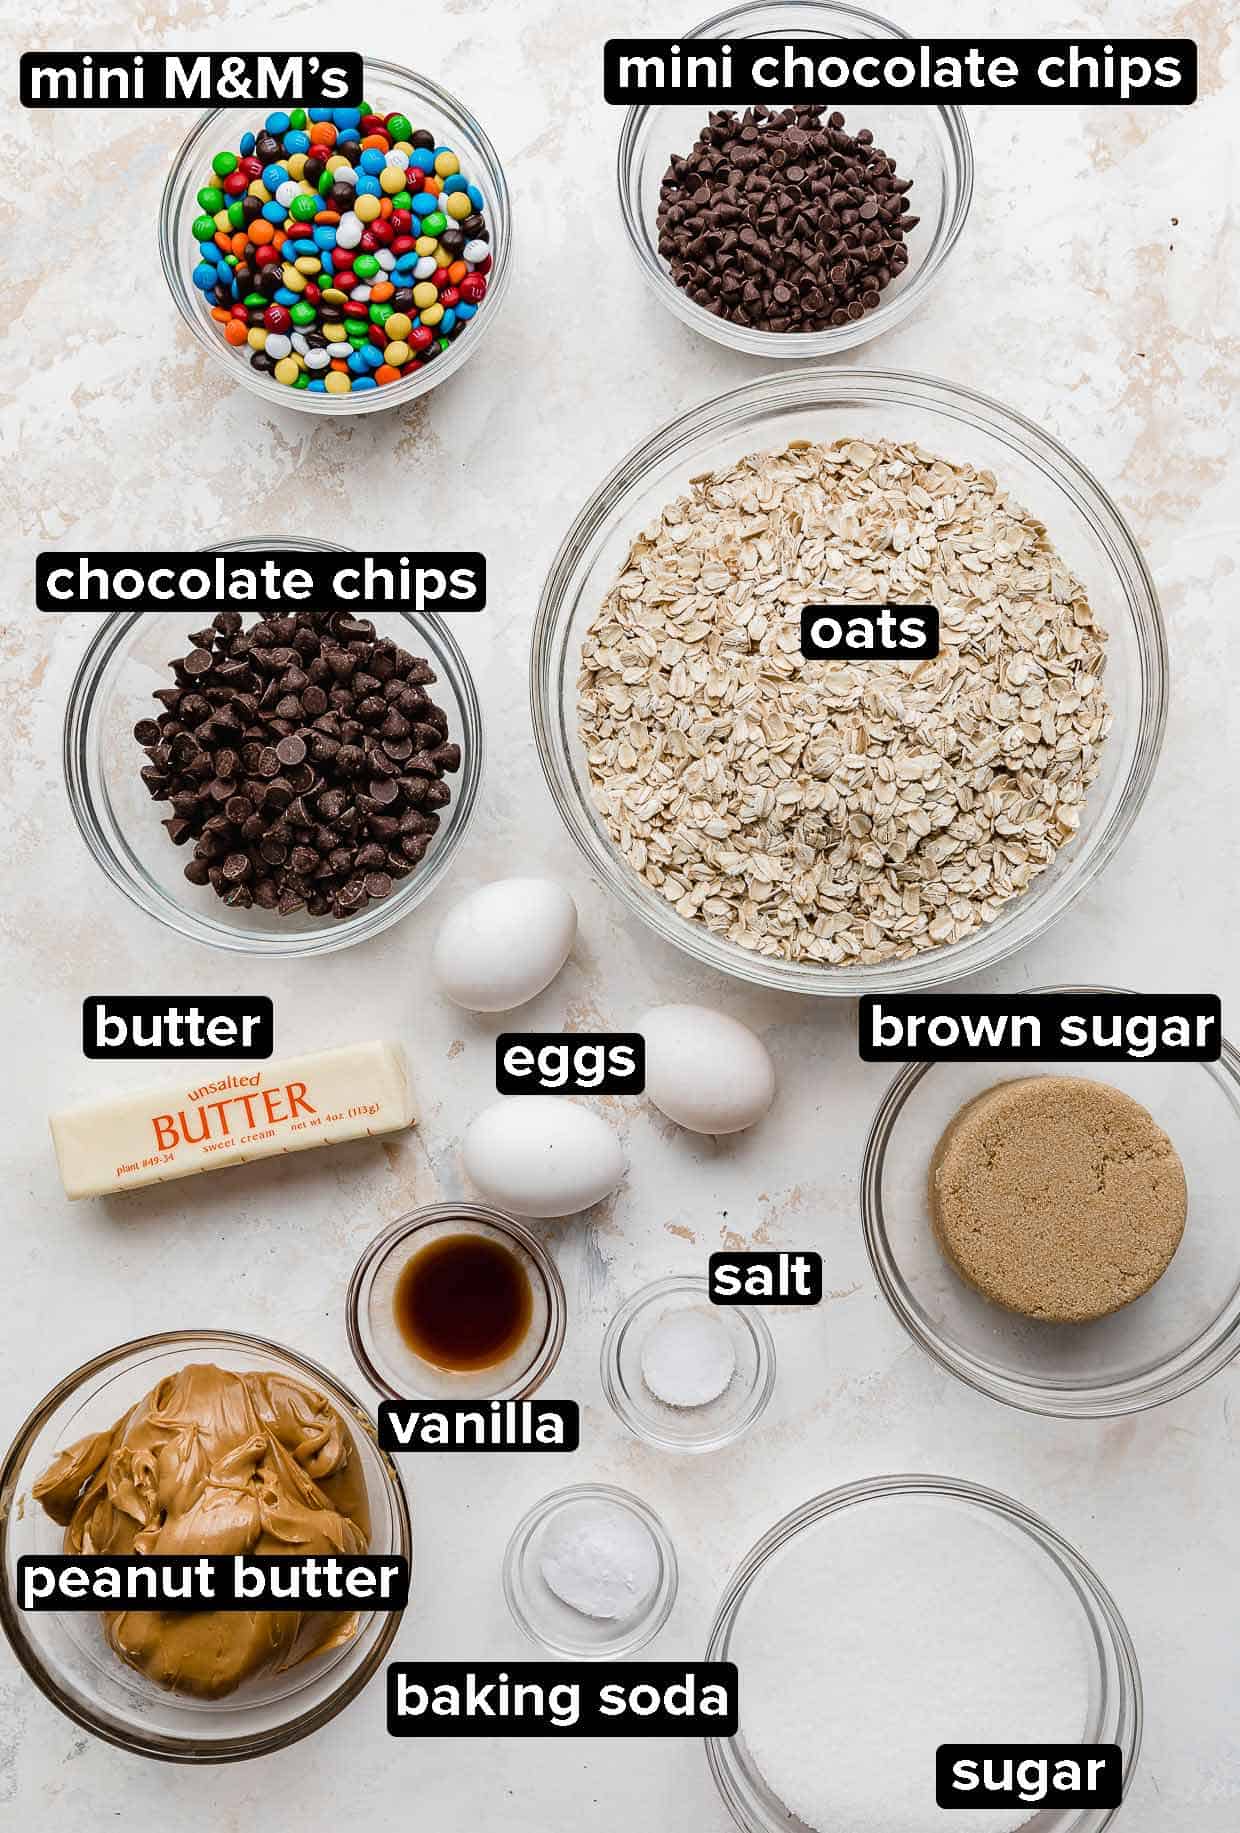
pixel 302 757
pixel 782 221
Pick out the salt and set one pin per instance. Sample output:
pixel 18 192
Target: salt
pixel 599 1559
pixel 887 1629
pixel 687 1358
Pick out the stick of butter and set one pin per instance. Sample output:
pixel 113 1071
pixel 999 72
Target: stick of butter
pixel 152 1136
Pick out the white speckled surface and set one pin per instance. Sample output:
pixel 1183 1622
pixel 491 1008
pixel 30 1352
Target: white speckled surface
pixel 1072 297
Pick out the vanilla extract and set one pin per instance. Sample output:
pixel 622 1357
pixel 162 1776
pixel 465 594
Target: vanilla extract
pixel 463 1303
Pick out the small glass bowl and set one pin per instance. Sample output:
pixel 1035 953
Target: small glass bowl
pixel 1178 1334
pixel 555 1625
pixel 825 404
pixel 64 1652
pixel 386 1359
pixel 929 145
pixel 706 1428
pixel 126 660
pixel 389 87
pixel 1115 1705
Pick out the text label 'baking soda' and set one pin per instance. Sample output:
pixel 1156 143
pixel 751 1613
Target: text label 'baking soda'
pixel 147 1025
pixel 1098 1026
pixel 765 1276
pixel 212 1581
pixel 263 579
pixel 479 1425
pixel 570 1063
pixel 575 1699
pixel 869 633
pixel 188 79
pixel 779 71
pixel 1029 1776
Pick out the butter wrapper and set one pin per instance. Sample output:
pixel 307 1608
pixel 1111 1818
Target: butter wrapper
pixel 214 1119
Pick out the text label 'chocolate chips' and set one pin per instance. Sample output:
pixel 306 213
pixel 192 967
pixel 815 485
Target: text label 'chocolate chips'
pixel 303 759
pixel 274 579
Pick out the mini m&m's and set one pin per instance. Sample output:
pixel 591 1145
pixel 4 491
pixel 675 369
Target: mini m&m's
pixel 340 249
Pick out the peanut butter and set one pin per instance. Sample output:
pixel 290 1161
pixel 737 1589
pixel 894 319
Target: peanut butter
pixel 216 1462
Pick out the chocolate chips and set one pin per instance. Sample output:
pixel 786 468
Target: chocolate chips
pixel 782 221
pixel 304 759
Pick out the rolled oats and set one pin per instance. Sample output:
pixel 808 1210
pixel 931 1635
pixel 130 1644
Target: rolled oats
pixel 841 811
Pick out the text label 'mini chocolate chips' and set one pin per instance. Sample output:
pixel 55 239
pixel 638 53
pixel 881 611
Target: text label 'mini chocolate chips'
pixel 303 758
pixel 782 221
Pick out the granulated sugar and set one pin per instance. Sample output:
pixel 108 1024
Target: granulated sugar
pixel 887 1629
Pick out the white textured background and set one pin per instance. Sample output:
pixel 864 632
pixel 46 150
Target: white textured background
pixel 1074 299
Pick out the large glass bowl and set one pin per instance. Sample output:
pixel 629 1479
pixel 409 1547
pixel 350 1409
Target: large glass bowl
pixel 388 87
pixel 825 404
pixel 127 659
pixel 1114 1711
pixel 64 1652
pixel 930 145
pixel 1179 1333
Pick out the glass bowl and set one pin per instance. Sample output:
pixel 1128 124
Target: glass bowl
pixel 555 1625
pixel 389 87
pixel 930 145
pixel 1184 1329
pixel 706 1428
pixel 824 404
pixel 64 1652
pixel 1114 1710
pixel 124 663
pixel 388 1362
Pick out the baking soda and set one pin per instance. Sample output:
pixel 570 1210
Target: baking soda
pixel 599 1559
pixel 887 1629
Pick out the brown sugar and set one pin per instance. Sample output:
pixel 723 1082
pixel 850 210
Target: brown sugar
pixel 1057 1197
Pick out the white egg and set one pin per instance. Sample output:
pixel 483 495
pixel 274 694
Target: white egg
pixel 539 1155
pixel 704 1070
pixel 504 943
